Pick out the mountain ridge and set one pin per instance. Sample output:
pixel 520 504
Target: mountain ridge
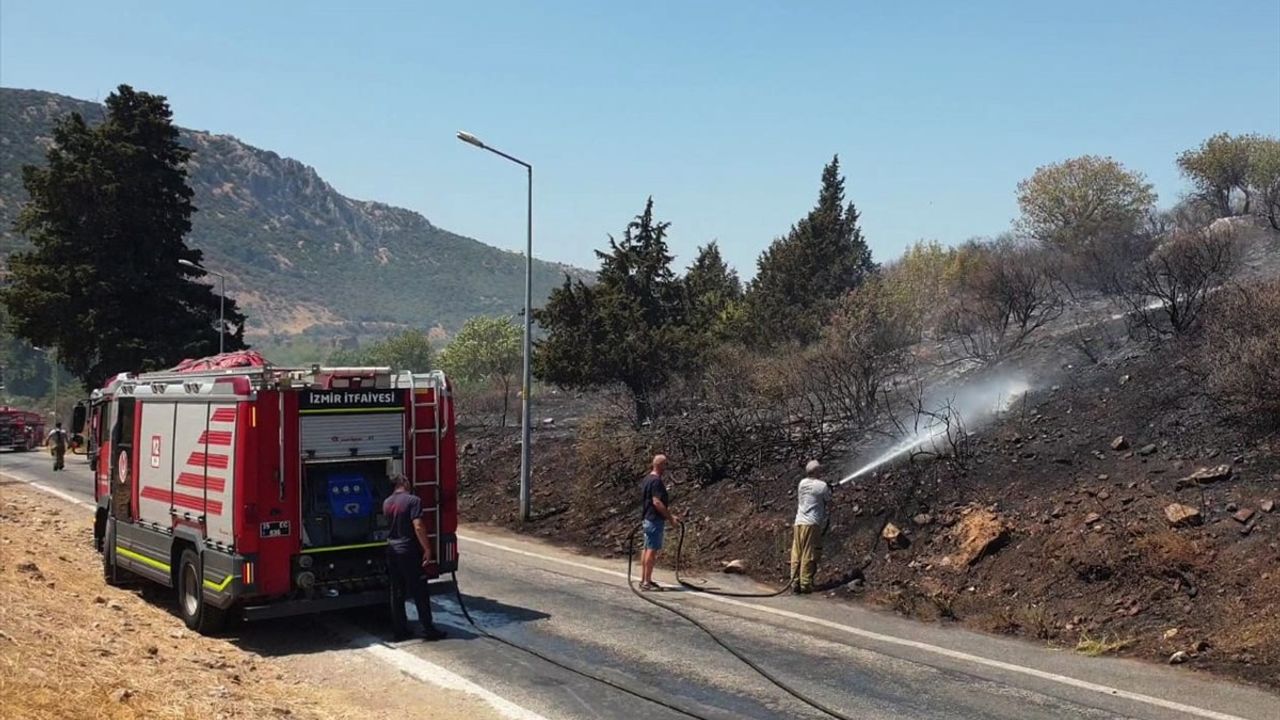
pixel 300 257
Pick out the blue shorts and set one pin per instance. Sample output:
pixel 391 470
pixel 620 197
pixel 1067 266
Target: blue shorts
pixel 653 534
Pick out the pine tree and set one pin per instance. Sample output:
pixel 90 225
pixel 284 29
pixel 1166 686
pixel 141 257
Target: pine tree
pixel 629 328
pixel 801 276
pixel 712 290
pixel 106 219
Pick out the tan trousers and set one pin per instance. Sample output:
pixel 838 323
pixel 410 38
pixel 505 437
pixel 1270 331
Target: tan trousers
pixel 806 551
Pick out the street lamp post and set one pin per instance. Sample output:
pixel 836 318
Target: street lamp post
pixel 525 419
pixel 222 301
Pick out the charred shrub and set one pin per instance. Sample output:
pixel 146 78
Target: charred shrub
pixel 1238 356
pixel 611 457
pixel 1168 292
pixel 1006 292
pixel 726 428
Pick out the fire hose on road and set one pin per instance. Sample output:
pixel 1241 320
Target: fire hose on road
pixel 766 674
pixel 776 681
pixel 712 591
pixel 563 666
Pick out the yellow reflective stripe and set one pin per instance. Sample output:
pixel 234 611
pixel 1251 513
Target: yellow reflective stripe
pixel 345 547
pixel 346 411
pixel 142 558
pixel 220 586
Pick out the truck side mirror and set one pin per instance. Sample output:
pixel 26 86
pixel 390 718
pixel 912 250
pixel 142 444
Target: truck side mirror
pixel 77 419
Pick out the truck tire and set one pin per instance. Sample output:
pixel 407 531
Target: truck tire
pixel 196 613
pixel 111 575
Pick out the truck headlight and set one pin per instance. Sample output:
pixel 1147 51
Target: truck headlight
pixel 305 561
pixel 306 580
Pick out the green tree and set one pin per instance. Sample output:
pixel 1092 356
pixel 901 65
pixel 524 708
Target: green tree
pixel 486 349
pixel 629 328
pixel 712 291
pixel 919 282
pixel 800 277
pixel 106 220
pixel 1078 203
pixel 1219 169
pixel 1264 178
pixel 406 350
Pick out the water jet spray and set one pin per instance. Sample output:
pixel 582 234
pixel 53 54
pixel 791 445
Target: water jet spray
pixel 970 405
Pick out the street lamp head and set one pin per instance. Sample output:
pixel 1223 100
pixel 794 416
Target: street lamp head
pixel 189 264
pixel 470 139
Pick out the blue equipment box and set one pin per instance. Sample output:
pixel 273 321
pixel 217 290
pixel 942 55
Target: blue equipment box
pixel 350 497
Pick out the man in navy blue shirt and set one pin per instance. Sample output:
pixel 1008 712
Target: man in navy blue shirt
pixel 408 555
pixel 655 510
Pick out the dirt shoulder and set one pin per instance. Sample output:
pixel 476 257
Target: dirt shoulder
pixel 72 647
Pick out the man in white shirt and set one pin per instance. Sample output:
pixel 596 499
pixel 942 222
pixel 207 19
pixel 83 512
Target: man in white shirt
pixel 812 496
pixel 57 442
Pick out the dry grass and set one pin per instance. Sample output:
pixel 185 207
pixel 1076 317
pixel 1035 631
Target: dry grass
pixel 1106 645
pixel 1162 549
pixel 71 647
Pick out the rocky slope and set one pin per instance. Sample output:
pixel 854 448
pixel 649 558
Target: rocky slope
pixel 298 254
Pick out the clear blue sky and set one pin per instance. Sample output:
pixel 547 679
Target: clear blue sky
pixel 724 111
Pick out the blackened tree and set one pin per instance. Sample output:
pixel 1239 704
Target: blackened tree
pixel 107 219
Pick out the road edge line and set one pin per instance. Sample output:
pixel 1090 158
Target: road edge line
pixel 431 673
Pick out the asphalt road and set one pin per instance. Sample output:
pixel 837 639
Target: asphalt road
pixel 864 663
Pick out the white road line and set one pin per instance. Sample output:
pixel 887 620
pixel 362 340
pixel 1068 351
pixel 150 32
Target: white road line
pixel 406 662
pixel 61 495
pixel 892 640
pixel 429 672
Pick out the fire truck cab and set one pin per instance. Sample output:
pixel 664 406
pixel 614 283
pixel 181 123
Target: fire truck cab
pixel 259 489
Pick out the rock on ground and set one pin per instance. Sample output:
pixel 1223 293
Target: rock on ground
pixel 1180 515
pixel 1204 476
pixel 977 534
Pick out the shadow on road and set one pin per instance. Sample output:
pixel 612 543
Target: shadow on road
pixel 362 627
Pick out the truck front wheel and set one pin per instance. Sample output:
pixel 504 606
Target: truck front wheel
pixel 196 613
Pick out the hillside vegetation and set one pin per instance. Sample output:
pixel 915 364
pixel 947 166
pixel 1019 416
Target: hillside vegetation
pixel 299 255
pixel 1069 432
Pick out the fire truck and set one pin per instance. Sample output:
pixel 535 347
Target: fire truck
pixel 20 429
pixel 258 489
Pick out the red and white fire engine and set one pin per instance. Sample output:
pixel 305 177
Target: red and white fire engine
pixel 20 429
pixel 259 489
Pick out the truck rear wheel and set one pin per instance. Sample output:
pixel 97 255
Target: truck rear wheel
pixel 196 613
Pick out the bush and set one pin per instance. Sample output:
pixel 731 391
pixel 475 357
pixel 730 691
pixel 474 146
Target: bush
pixel 484 404
pixel 1168 291
pixel 1005 291
pixel 725 428
pixel 864 346
pixel 611 454
pixel 1238 357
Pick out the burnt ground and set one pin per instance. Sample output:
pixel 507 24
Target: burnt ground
pixel 1044 532
pixel 1083 551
